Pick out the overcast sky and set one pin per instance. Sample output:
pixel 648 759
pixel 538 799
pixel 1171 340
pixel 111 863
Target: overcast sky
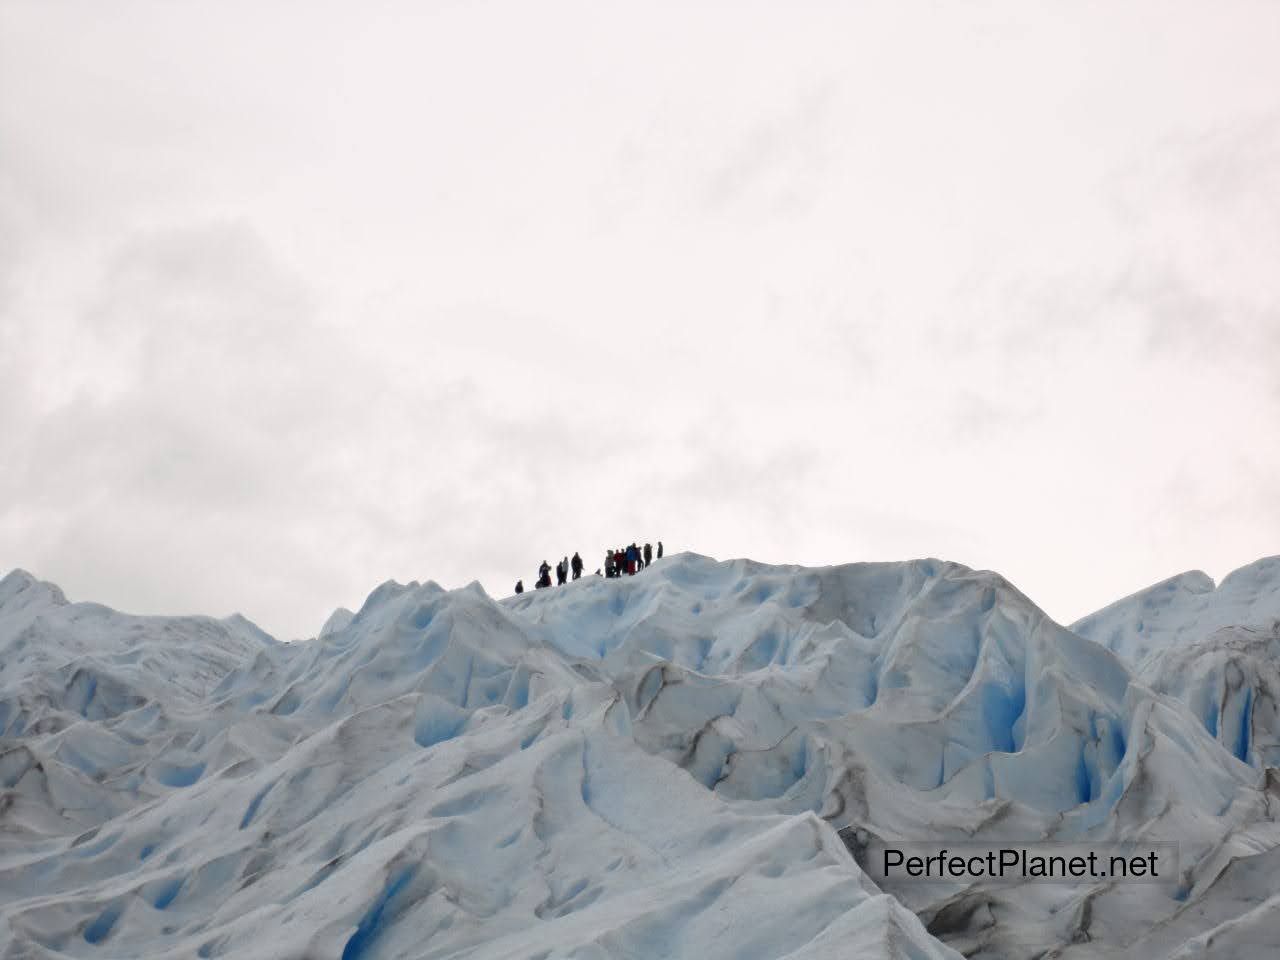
pixel 298 297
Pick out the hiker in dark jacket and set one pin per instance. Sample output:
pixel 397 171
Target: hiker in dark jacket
pixel 562 571
pixel 633 559
pixel 619 562
pixel 544 576
pixel 648 554
pixel 519 586
pixel 659 549
pixel 576 563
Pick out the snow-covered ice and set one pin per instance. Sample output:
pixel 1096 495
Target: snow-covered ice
pixel 675 764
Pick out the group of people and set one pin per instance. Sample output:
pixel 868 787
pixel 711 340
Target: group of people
pixel 628 560
pixel 562 569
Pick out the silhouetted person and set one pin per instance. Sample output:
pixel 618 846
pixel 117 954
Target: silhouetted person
pixel 648 554
pixel 562 571
pixel 633 559
pixel 576 563
pixel 659 549
pixel 544 576
pixel 619 562
pixel 519 586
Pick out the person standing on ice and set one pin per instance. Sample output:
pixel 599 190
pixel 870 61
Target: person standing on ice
pixel 659 549
pixel 544 576
pixel 633 559
pixel 577 565
pixel 562 571
pixel 519 586
pixel 648 554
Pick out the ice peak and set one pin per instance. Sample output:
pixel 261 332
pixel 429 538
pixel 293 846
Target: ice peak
pixel 20 588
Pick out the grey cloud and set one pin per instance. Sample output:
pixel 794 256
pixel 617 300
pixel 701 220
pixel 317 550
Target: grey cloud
pixel 975 415
pixel 224 261
pixel 1169 289
pixel 721 473
pixel 1193 208
pixel 1148 294
pixel 622 185
pixel 852 333
pixel 1206 212
pixel 1236 168
pixel 219 372
pixel 1241 510
pixel 1180 316
pixel 778 166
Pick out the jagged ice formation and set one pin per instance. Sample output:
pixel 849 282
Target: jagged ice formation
pixel 662 765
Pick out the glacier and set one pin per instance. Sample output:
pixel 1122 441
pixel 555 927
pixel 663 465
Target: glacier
pixel 683 763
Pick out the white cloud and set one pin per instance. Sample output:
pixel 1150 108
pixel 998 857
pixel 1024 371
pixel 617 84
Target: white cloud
pixel 296 299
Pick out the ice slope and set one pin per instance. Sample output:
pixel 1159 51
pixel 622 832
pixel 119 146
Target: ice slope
pixel 1216 650
pixel 654 766
pixel 903 701
pixel 99 710
pixel 1184 609
pixel 430 780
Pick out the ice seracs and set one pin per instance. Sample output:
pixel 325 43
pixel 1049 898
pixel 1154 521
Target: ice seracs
pixel 1184 609
pixel 661 765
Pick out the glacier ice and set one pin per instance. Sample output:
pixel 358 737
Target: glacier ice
pixel 673 764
